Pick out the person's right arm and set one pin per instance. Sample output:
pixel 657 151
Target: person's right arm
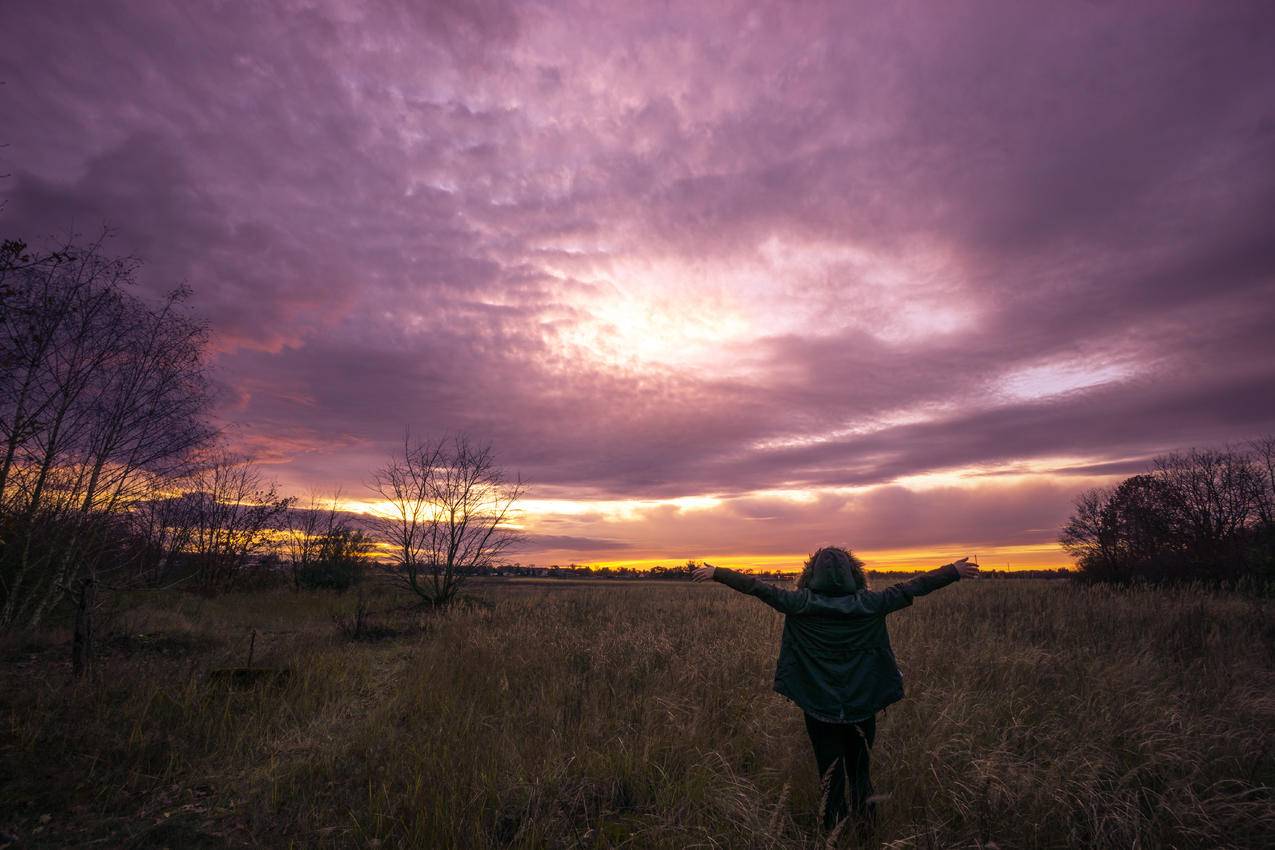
pixel 783 601
pixel 901 595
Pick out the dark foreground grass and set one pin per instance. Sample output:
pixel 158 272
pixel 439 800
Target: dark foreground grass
pixel 1039 714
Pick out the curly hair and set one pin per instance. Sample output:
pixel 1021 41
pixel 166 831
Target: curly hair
pixel 831 556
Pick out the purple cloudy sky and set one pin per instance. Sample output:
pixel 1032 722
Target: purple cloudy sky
pixel 717 279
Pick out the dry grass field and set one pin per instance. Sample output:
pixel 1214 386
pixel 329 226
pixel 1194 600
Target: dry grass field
pixel 1039 714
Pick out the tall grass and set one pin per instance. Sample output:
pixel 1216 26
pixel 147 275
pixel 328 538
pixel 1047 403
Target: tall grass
pixel 1039 714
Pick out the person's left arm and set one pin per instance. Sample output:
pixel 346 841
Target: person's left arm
pixel 783 601
pixel 901 595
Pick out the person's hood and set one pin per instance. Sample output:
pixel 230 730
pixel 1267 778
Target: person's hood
pixel 832 579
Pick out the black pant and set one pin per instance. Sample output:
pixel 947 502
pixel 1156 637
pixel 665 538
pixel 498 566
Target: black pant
pixel 841 750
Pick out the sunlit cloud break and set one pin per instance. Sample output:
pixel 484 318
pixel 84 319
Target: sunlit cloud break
pixel 728 280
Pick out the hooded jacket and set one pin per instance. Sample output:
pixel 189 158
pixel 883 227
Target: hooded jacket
pixel 835 660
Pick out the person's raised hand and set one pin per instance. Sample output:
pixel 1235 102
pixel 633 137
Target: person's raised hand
pixel 704 573
pixel 965 568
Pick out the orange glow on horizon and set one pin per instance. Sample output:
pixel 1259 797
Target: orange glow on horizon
pixel 630 522
pixel 1041 556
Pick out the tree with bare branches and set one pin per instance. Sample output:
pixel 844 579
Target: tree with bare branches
pixel 323 547
pixel 238 515
pixel 163 525
pixel 1263 451
pixel 1213 495
pixel 448 513
pixel 101 393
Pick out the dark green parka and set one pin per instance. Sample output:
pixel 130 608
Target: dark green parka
pixel 835 660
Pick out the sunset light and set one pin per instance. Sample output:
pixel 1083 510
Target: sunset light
pixel 727 302
pixel 523 424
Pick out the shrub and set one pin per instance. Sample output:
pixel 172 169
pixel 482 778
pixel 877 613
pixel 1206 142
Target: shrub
pixel 340 563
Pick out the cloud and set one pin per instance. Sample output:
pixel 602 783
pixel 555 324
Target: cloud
pixel 563 542
pixel 708 250
pixel 873 520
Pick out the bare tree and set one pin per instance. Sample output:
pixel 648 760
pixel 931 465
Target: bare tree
pixel 163 523
pixel 1263 452
pixel 320 537
pixel 404 485
pixel 237 516
pixel 1213 494
pixel 1087 536
pixel 450 508
pixel 100 393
